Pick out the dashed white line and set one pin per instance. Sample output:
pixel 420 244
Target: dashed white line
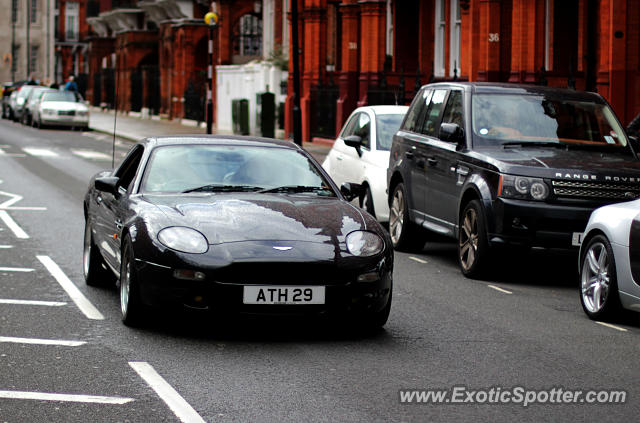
pixel 32 302
pixel 44 396
pixel 5 247
pixel 609 325
pixel 11 224
pixel 40 152
pixel 35 341
pixel 499 289
pixel 81 301
pixel 92 155
pixel 419 260
pixel 170 396
pixel 15 269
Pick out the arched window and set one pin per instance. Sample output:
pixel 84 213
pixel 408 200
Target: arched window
pixel 247 38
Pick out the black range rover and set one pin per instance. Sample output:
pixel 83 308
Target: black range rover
pixel 504 164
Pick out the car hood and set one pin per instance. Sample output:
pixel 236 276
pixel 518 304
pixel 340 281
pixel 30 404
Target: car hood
pixel 550 162
pixel 225 218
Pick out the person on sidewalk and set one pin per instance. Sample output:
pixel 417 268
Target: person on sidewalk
pixel 71 85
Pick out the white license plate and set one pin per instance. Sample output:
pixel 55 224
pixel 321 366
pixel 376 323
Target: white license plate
pixel 576 240
pixel 270 294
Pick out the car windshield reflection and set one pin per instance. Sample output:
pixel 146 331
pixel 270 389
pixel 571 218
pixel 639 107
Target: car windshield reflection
pixel 500 119
pixel 222 168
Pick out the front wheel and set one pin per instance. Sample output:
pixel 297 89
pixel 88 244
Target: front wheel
pixel 473 248
pixel 94 269
pixel 405 235
pixel 130 303
pixel 598 280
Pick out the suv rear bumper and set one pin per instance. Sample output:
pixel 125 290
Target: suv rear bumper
pixel 535 224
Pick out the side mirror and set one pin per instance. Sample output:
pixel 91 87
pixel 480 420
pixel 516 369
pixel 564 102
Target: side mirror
pixel 354 141
pixel 350 190
pixel 452 132
pixel 107 184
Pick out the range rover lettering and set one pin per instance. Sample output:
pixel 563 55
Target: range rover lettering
pixel 505 164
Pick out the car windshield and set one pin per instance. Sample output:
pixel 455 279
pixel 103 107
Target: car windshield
pixel 386 126
pixel 60 96
pixel 500 119
pixel 225 168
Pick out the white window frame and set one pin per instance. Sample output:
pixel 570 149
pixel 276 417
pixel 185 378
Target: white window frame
pixel 439 39
pixel 455 35
pixel 72 21
pixel 547 32
pixel 389 29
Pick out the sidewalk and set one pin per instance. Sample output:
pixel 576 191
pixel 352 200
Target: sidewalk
pixel 134 129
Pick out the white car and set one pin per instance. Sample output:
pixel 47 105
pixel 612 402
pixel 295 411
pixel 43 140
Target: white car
pixel 610 261
pixel 360 154
pixel 61 108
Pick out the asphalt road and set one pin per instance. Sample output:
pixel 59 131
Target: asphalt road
pixel 522 328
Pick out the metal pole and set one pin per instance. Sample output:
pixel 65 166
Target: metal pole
pixel 297 112
pixel 210 81
pixel 28 28
pixel 13 40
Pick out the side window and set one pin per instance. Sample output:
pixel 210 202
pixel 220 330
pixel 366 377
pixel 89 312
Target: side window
pixel 432 119
pixel 349 127
pixel 417 111
pixel 127 170
pixel 363 129
pixel 453 111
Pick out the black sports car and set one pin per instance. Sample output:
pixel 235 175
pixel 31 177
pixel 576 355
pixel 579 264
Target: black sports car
pixel 234 224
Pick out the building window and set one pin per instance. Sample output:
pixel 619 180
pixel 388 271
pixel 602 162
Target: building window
pixel 454 46
pixel 15 5
pixel 34 10
pixel 71 21
pixel 247 38
pixel 389 29
pixel 440 25
pixel 33 60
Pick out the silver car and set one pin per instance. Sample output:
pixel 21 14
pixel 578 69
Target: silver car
pixel 18 102
pixel 610 261
pixel 62 108
pixel 31 104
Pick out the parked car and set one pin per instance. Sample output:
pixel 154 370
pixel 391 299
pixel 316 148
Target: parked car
pixel 237 225
pixel 360 154
pixel 503 164
pixel 8 88
pixel 31 104
pixel 62 108
pixel 610 261
pixel 18 102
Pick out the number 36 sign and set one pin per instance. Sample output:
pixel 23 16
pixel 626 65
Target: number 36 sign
pixel 494 37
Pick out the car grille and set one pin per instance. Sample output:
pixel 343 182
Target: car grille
pixel 66 113
pixel 595 190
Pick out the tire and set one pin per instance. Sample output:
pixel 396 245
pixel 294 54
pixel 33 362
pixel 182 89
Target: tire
pixel 405 235
pixel 366 203
pixel 369 322
pixel 473 248
pixel 130 303
pixel 93 266
pixel 598 280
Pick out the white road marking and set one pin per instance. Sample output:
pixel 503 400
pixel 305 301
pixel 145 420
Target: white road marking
pixel 609 325
pixel 176 403
pixel 32 302
pixel 43 396
pixel 15 269
pixel 419 260
pixel 92 155
pixel 72 290
pixel 14 199
pixel 499 289
pixel 11 224
pixel 5 247
pixel 39 152
pixel 4 153
pixel 35 341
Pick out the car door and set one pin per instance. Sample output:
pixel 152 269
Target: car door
pixel 443 190
pixel 412 149
pixel 338 152
pixel 111 212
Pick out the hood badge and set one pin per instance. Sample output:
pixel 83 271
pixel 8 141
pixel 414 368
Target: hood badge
pixel 282 248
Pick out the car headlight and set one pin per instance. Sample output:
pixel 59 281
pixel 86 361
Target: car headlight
pixel 523 188
pixel 364 244
pixel 183 239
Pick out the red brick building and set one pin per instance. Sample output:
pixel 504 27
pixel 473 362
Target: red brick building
pixel 71 46
pixel 357 52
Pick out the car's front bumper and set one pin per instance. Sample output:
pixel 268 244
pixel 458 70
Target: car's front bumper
pixel 159 287
pixel 65 120
pixel 536 224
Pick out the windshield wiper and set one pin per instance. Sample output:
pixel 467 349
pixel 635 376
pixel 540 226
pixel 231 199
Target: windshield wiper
pixel 295 188
pixel 534 144
pixel 223 188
